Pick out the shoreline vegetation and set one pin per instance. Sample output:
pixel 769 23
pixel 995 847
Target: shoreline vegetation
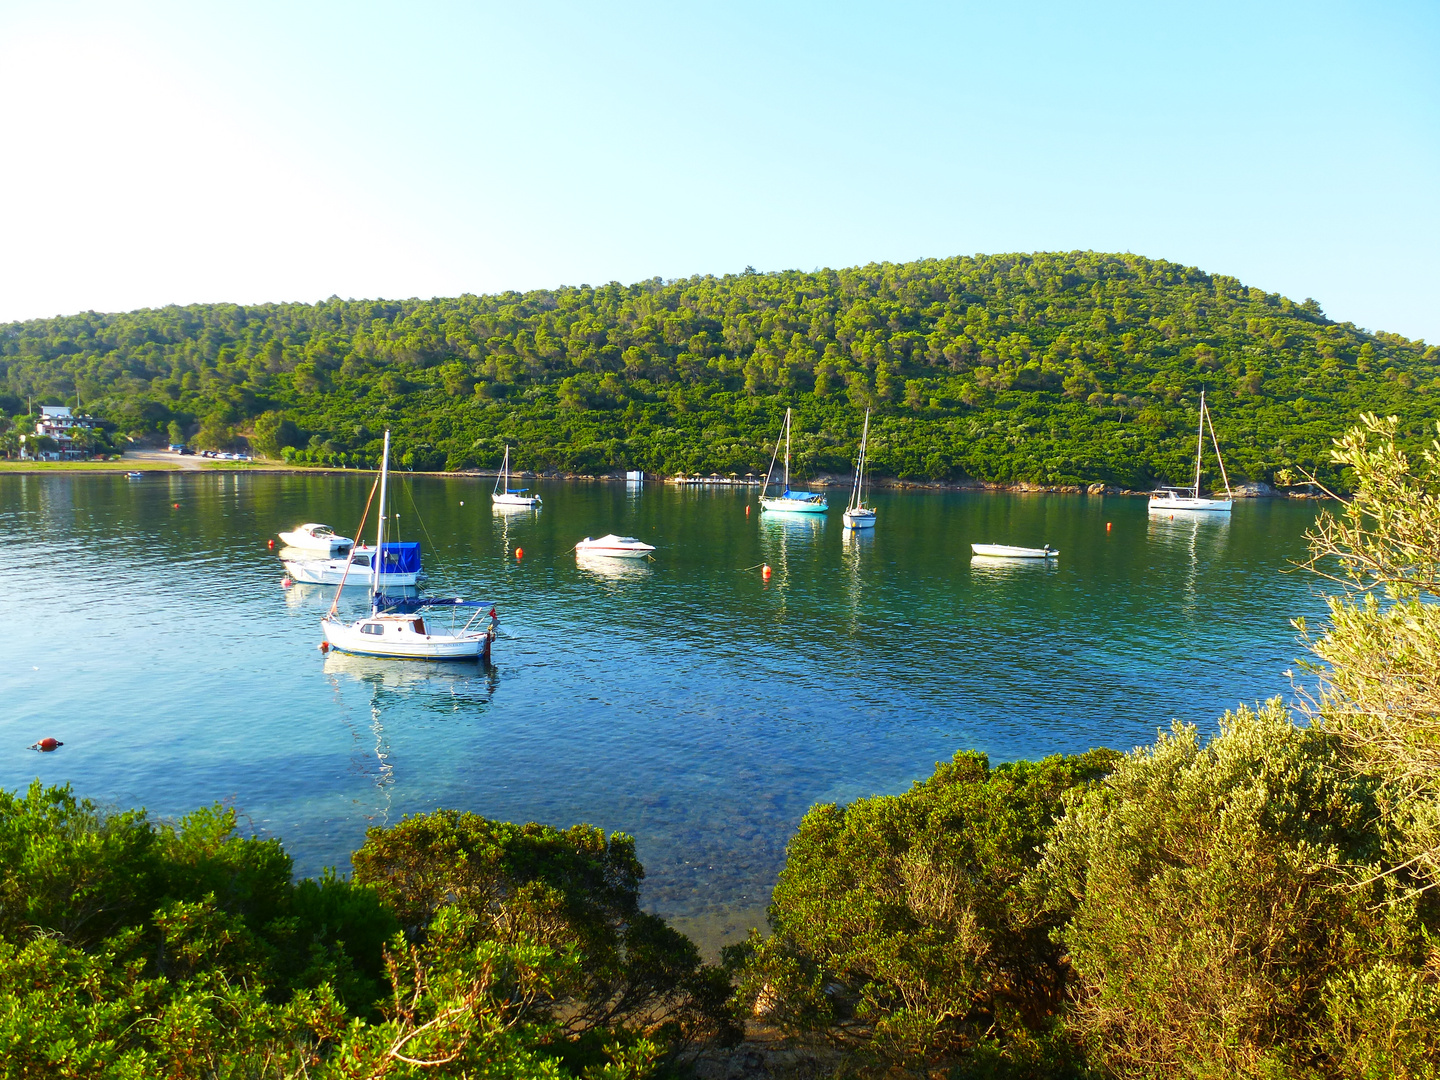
pixel 1264 903
pixel 1049 369
pixel 1245 491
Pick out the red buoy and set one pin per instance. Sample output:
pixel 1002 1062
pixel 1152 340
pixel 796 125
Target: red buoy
pixel 519 553
pixel 47 744
pixel 765 572
pixel 1107 526
pixel 174 506
pixel 324 646
pixel 747 510
pixel 270 544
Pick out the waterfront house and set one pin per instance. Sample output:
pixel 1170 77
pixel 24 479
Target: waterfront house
pixel 58 423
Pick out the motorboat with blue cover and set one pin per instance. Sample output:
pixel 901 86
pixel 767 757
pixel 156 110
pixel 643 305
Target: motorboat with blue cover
pixel 399 567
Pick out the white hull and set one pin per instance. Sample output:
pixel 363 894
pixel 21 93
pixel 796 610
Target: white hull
pixel 1180 502
pixel 794 506
pixel 329 544
pixel 1005 551
pixel 614 547
pixel 507 501
pixel 332 572
pixel 407 644
pixel 859 519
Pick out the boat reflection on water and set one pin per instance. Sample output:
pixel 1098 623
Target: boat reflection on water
pixel 302 595
pixel 455 690
pixel 855 545
pixel 999 567
pixel 458 679
pixel 609 569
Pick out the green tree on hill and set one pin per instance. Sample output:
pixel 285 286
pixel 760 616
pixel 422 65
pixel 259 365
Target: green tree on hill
pixel 1053 368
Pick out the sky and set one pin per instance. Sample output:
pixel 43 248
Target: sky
pixel 164 152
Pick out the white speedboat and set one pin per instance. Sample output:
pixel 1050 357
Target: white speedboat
pixel 395 628
pixel 789 502
pixel 1006 551
pixel 614 547
pixel 857 515
pixel 504 496
pixel 315 537
pixel 399 568
pixel 1166 500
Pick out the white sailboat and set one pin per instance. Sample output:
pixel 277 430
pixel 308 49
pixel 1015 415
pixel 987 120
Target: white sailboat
pixel 790 502
pixel 395 627
pixel 504 496
pixel 857 515
pixel 1167 500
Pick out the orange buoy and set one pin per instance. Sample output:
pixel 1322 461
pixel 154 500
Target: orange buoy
pixel 270 544
pixel 1107 526
pixel 324 646
pixel 765 571
pixel 47 744
pixel 174 506
pixel 747 509
pixel 519 553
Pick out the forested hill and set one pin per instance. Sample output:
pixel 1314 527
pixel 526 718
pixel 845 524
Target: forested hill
pixel 1054 368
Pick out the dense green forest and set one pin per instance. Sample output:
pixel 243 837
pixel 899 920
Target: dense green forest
pixel 1050 368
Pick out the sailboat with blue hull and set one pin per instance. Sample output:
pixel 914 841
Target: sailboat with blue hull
pixel 397 627
pixel 789 502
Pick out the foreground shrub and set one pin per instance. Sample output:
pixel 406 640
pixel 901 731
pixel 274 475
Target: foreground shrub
pixel 1229 914
pixel 903 924
pixel 131 948
pixel 574 890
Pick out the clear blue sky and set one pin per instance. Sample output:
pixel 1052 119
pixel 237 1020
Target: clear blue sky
pixel 163 152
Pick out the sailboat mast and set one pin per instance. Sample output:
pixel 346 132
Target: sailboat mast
pixel 504 477
pixel 379 556
pixel 787 452
pixel 857 495
pixel 1199 444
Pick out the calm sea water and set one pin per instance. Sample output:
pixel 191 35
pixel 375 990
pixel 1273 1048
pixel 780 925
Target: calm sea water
pixel 686 701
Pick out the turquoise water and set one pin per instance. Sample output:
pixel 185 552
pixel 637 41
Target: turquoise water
pixel 686 701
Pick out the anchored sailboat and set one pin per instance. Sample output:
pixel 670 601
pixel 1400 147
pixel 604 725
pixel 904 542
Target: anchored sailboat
pixel 791 502
pixel 1169 499
pixel 395 628
pixel 504 495
pixel 857 514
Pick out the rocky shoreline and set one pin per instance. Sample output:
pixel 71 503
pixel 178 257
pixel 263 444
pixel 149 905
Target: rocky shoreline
pixel 1251 490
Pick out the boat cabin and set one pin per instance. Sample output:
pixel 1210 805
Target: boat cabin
pixel 391 625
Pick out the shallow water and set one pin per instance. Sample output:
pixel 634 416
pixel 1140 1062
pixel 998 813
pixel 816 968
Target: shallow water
pixel 686 701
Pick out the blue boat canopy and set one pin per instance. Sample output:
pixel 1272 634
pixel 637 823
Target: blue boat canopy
pixel 404 605
pixel 400 558
pixel 800 496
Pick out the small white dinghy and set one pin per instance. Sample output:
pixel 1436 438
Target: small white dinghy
pixel 1005 551
pixel 315 537
pixel 614 547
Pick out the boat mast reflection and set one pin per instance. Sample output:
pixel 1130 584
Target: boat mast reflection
pixel 456 688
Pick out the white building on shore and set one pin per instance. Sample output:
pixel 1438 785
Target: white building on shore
pixel 59 423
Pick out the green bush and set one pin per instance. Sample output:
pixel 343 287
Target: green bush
pixel 904 924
